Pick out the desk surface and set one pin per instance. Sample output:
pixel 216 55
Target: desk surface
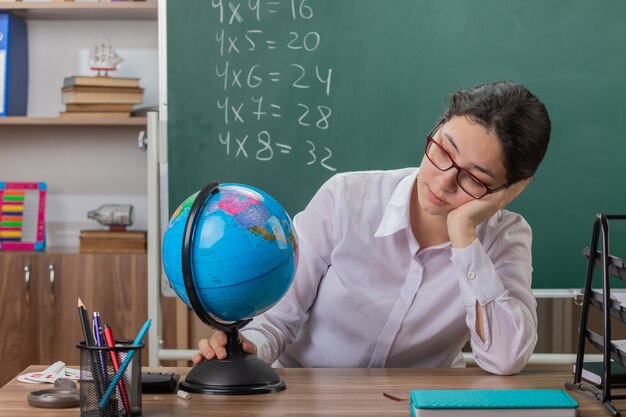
pixel 325 392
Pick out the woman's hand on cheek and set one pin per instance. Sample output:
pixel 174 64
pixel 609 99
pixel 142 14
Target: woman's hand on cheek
pixel 463 220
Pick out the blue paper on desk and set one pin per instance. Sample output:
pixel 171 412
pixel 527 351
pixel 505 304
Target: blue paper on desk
pixel 509 402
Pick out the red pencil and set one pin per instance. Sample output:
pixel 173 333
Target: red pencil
pixel 110 342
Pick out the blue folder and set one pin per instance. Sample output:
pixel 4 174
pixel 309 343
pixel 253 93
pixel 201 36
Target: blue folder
pixel 491 398
pixel 13 66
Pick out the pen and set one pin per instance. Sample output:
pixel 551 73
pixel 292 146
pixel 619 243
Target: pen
pixel 129 357
pixel 97 331
pixel 110 342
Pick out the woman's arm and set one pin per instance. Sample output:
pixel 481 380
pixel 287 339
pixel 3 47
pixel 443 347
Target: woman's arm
pixel 495 282
pixel 318 228
pixel 496 285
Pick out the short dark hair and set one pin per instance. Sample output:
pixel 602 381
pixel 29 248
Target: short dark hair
pixel 517 117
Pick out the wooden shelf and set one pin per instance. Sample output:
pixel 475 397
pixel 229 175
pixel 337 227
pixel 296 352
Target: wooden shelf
pixel 67 121
pixel 127 10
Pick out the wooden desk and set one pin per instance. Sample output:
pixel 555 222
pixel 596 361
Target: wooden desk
pixel 323 392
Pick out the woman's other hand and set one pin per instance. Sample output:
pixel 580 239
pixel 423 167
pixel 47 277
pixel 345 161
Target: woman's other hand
pixel 215 347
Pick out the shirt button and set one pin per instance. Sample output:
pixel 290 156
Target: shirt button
pixel 471 275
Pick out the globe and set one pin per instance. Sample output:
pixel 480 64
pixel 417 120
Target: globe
pixel 243 255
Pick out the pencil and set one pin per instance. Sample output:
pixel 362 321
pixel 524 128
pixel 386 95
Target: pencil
pixel 84 322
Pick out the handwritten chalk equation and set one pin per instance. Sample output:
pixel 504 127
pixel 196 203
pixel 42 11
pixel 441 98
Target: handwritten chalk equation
pixel 237 12
pixel 254 40
pixel 262 148
pixel 256 76
pixel 257 109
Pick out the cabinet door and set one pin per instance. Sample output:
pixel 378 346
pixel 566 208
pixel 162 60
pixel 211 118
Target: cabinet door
pixel 17 324
pixel 46 308
pixel 29 306
pixel 115 285
pixel 57 309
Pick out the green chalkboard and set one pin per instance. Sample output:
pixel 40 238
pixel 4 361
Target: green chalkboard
pixel 281 94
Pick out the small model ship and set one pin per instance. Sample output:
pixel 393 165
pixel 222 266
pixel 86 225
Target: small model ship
pixel 104 58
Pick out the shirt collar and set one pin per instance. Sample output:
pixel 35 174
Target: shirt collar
pixel 396 215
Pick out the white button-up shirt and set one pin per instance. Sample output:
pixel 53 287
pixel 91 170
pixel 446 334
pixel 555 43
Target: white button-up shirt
pixel 365 295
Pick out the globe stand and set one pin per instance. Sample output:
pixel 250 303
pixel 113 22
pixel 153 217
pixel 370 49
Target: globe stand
pixel 239 373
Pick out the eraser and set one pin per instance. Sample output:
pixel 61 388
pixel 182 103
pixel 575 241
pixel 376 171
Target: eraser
pixel 183 394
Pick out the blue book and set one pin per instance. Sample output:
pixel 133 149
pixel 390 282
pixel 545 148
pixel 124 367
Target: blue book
pixel 13 66
pixel 492 402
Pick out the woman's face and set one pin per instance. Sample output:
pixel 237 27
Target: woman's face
pixel 471 147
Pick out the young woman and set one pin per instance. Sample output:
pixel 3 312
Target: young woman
pixel 401 268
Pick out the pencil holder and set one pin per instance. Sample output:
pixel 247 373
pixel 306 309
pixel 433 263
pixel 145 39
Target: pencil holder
pixel 98 367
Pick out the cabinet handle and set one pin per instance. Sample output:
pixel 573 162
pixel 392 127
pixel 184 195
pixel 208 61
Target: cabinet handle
pixel 51 271
pixel 27 276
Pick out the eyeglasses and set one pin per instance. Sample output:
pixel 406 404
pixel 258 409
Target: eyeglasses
pixel 442 160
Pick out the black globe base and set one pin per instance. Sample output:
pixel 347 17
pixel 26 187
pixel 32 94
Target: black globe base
pixel 238 374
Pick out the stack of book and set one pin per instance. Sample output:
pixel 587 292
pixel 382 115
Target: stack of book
pixel 100 96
